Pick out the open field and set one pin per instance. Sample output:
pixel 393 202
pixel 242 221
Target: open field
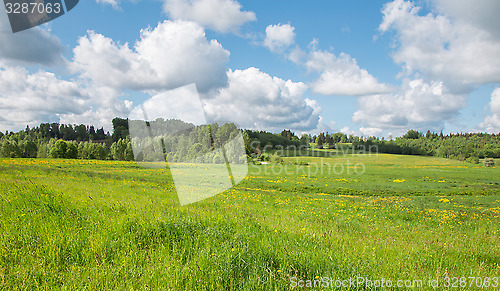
pixel 79 224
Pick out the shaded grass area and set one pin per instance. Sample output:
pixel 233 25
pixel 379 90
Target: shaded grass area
pixel 112 225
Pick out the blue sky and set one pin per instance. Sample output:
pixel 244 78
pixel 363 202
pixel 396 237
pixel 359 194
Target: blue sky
pixel 360 67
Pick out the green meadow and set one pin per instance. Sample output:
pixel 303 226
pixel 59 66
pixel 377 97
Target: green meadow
pixel 103 225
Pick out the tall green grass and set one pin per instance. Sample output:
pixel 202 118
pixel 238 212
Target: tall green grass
pixel 69 224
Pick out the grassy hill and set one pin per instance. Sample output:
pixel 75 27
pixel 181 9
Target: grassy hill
pixel 81 224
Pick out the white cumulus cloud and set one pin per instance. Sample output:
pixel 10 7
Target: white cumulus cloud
pixel 370 131
pixel 458 50
pixel 173 54
pixel 31 98
pixel 338 75
pixel 219 15
pixel 341 75
pixel 482 14
pixel 256 100
pixel 417 105
pixel 492 122
pixel 279 37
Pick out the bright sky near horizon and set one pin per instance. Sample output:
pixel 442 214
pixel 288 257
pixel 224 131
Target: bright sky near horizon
pixel 360 67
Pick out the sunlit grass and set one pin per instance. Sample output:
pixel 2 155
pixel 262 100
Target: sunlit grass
pixel 113 225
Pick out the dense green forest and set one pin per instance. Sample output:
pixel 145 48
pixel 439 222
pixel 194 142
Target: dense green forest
pixel 461 146
pixel 189 141
pixel 68 141
pixel 184 142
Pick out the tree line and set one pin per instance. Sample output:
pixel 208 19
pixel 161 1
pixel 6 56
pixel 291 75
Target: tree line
pixel 68 141
pixel 192 143
pixel 185 142
pixel 468 147
pixel 182 143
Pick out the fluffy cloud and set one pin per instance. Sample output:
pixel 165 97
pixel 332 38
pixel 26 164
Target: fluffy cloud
pixel 173 54
pixel 492 122
pixel 99 117
pixel 417 104
pixel 338 75
pixel 256 100
pixel 346 130
pixel 370 131
pixel 279 37
pixel 323 126
pixel 495 101
pixel 103 105
pixel 482 14
pixel 34 98
pixel 363 131
pixel 219 15
pixel 34 45
pixel 458 49
pixel 341 75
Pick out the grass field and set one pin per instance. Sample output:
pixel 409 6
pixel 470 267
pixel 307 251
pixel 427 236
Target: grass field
pixel 75 224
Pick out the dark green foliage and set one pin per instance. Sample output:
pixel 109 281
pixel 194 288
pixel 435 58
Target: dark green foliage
pixel 468 147
pixel 412 134
pixel 194 143
pixel 82 132
pixel 305 139
pixel 59 149
pixel 187 143
pixel 59 141
pixel 66 132
pixel 270 140
pixel 93 151
pixel 122 150
pixel 288 134
pixel 28 148
pixel 120 129
pixel 64 150
pixel 319 142
pixel 10 149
